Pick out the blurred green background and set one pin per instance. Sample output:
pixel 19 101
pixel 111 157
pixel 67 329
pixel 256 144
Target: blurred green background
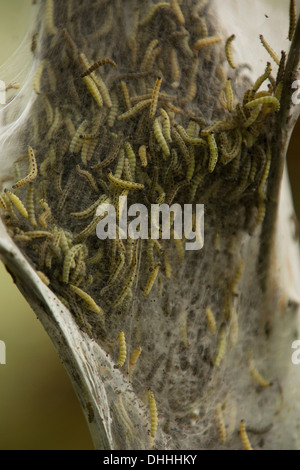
pixel 38 408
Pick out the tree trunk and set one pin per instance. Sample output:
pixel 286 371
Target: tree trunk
pixel 216 328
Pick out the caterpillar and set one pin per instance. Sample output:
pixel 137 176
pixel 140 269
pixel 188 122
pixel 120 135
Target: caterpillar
pixel 76 142
pixel 265 100
pixel 32 173
pixel 45 215
pixel 229 95
pixel 87 298
pixel 17 203
pixel 135 109
pixel 228 51
pixel 220 423
pixel 69 258
pixel 36 83
pixel 213 149
pixel 133 360
pixel 123 183
pixel 89 177
pixel 148 54
pixel 49 18
pixel 160 137
pixel 153 12
pixel 244 436
pixel 153 414
pixel 257 376
pixel 211 322
pixel 269 49
pixel 292 25
pixel 143 155
pixel 91 86
pixel 204 42
pixel 177 10
pixel 30 205
pixel 222 343
pixel 122 350
pixel 154 99
pixel 96 65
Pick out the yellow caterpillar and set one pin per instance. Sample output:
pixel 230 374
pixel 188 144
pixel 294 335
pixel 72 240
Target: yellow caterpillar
pixel 122 350
pixel 32 174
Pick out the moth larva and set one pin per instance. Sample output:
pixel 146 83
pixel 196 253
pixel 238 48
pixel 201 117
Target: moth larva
pixel 211 322
pixel 292 25
pixel 253 116
pixel 123 183
pixel 213 150
pixel 36 83
pixel 166 125
pixel 153 11
pixel 220 423
pixel 257 376
pixel 264 100
pixel 244 436
pixel 30 205
pixel 147 57
pixel 43 278
pixel 181 144
pixel 133 360
pixel 55 124
pixel 38 234
pixel 96 65
pixel 131 158
pixel 97 257
pixel 261 79
pixel 228 51
pixel 45 215
pixel 104 91
pixel 206 42
pixel 88 230
pixel 160 138
pixel 153 414
pixel 151 279
pixel 17 203
pixel 49 18
pixel 87 298
pixel 117 269
pixel 237 276
pixel 122 350
pixel 89 177
pixel 229 95
pixel 127 286
pixel 113 110
pixel 135 110
pixel 222 344
pixel 154 99
pixel 178 13
pixel 91 86
pixel 76 142
pixel 269 49
pixel 143 155
pixel 32 173
pixel 69 258
pixel 195 141
pixel 91 209
pixel 126 95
